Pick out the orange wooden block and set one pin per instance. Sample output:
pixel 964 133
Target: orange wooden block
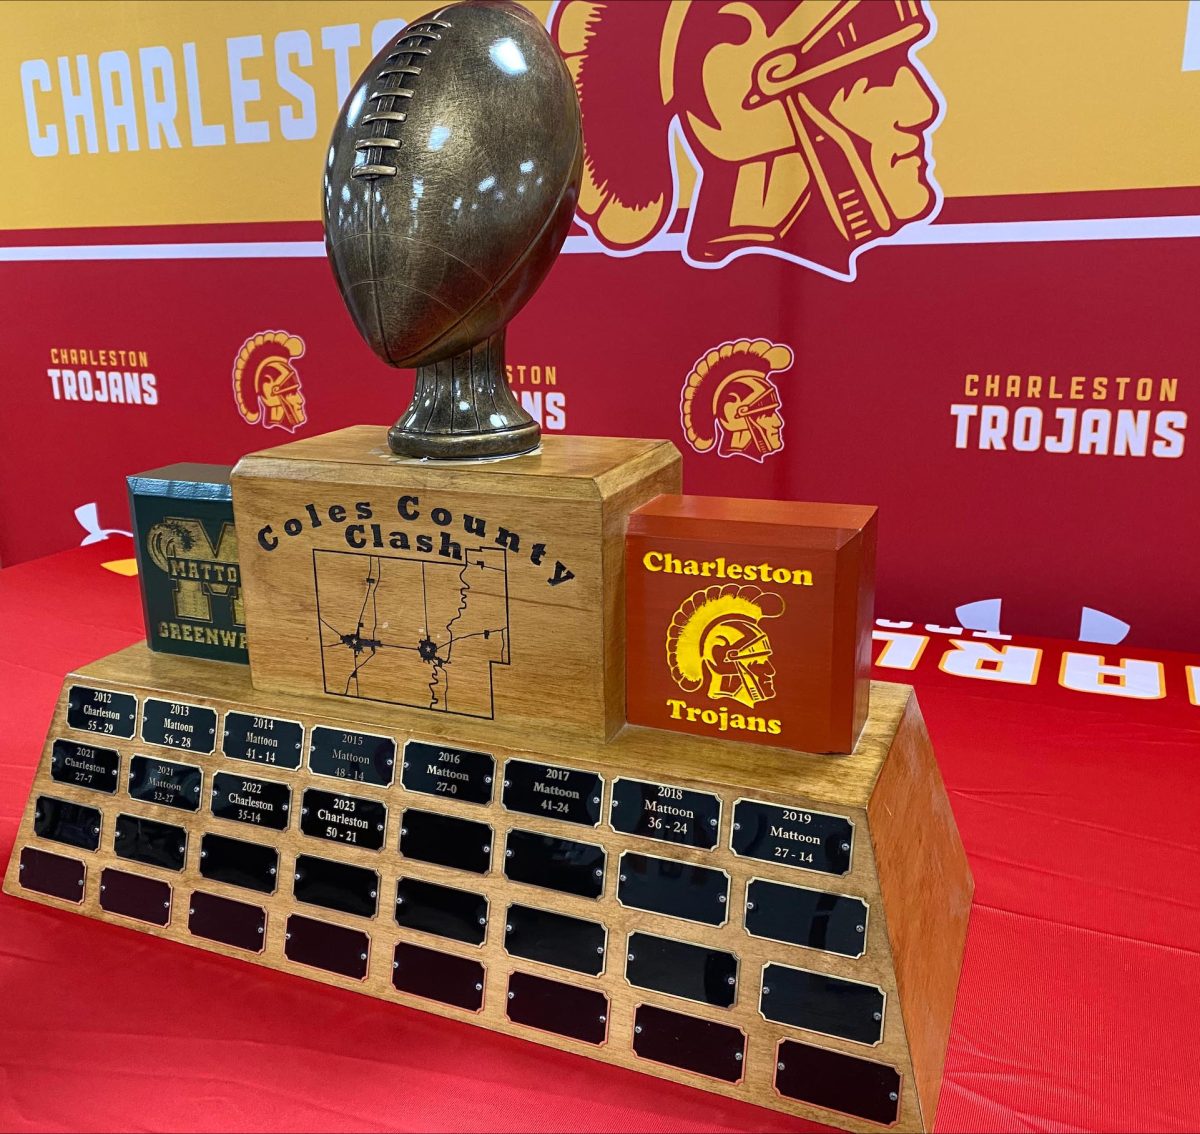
pixel 750 619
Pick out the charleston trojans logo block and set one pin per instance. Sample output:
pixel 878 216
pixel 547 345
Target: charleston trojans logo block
pixel 266 386
pixel 806 124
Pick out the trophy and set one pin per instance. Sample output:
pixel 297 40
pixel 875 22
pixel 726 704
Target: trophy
pixel 535 743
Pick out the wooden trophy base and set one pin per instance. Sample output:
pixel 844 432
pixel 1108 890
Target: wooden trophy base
pixel 773 926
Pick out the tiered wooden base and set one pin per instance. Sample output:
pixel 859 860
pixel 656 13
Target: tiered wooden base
pixel 812 974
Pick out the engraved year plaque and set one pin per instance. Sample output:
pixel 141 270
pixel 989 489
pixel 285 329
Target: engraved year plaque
pixel 822 1003
pixel 442 839
pixel 348 755
pixel 438 976
pixel 161 781
pixel 665 813
pixel 136 896
pixel 239 863
pixel 792 836
pixel 334 948
pixel 231 923
pixel 836 1081
pixel 703 1046
pixel 52 874
pixel 151 842
pixel 441 910
pixel 341 818
pixel 552 792
pixel 65 822
pixel 245 799
pixel 85 765
pixel 336 885
pixel 676 889
pixel 101 711
pixel 816 919
pixel 678 968
pixel 439 769
pixel 555 939
pixel 554 864
pixel 174 724
pixel 263 740
pixel 551 1006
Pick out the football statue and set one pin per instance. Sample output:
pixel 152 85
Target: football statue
pixel 450 184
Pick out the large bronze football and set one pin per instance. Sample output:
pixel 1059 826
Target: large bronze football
pixel 450 185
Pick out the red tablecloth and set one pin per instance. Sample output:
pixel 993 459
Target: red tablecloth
pixel 1078 1007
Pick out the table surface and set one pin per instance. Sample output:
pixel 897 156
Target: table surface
pixel 1076 1010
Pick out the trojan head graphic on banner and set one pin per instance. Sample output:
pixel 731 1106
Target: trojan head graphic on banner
pixel 807 124
pixel 266 384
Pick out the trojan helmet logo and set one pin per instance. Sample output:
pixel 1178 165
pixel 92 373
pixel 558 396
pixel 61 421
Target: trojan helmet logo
pixel 797 128
pixel 266 386
pixel 730 402
pixel 716 642
pixel 180 547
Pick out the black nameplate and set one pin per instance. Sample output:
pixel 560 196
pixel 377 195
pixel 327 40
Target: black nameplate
pixel 320 945
pixel 837 1081
pixel 676 889
pixel 792 836
pixel 555 939
pixel 564 1009
pixel 263 740
pixel 815 919
pixel 101 711
pixel 64 822
pixel 246 800
pixel 231 923
pixel 174 724
pixel 136 896
pixel 250 865
pixel 441 910
pixel 438 769
pixel 52 874
pixel 341 818
pixel 552 792
pixel 444 840
pixel 347 755
pixel 554 864
pixel 668 814
pixel 160 781
pixel 85 766
pixel 822 1003
pixel 677 968
pixel 438 976
pixel 151 842
pixel 703 1046
pixel 336 885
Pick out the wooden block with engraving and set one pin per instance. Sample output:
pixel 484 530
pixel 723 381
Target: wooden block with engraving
pixel 751 619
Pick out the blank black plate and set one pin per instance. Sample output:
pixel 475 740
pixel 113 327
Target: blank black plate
pixel 85 765
pixel 555 939
pixel 65 822
pixel 247 799
pixel 441 910
pixel 702 1046
pixel 438 976
pixel 239 863
pixel 554 864
pixel 665 813
pixel 263 740
pixel 693 972
pixel 792 836
pixel 161 781
pixel 822 1003
pixel 101 712
pixel 348 819
pixel 52 874
pixel 438 769
pixel 837 1081
pixel 460 843
pixel 348 755
pixel 177 725
pixel 232 923
pixel 336 885
pixel 151 842
pixel 136 896
pixel 323 946
pixel 552 792
pixel 835 923
pixel 677 889
pixel 565 1009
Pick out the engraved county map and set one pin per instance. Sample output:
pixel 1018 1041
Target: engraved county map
pixel 414 632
